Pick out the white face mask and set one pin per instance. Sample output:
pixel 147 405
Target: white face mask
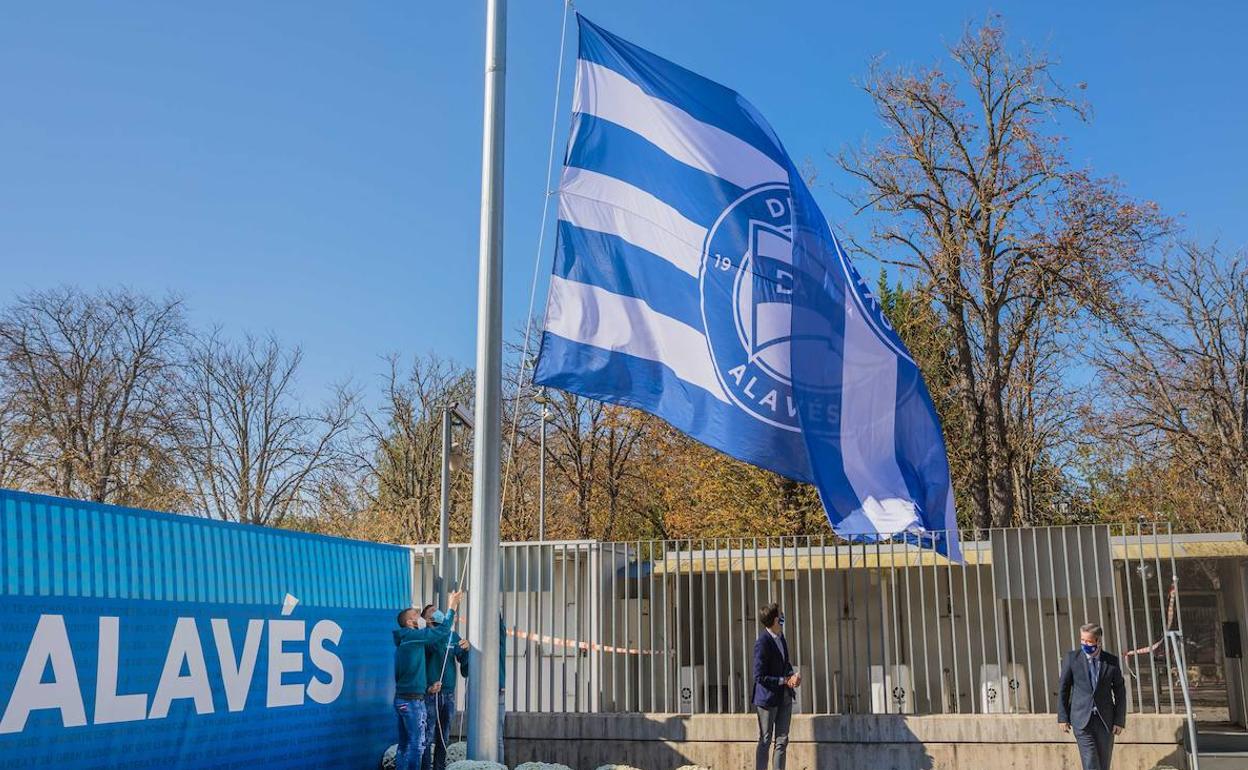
pixel 420 622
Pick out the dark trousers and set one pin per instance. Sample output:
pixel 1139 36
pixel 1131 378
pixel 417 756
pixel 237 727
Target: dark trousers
pixel 1096 744
pixel 773 728
pixel 439 709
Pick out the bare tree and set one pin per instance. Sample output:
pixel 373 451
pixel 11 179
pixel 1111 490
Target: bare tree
pixel 1178 375
pixel 575 449
pixel 625 431
pixel 1010 240
pixel 403 446
pixel 14 470
pixel 594 457
pixel 88 379
pixel 253 453
pixel 343 507
pixel 1043 419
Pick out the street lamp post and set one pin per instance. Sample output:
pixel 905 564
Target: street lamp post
pixel 451 414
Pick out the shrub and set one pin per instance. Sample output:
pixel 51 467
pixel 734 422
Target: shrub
pixel 475 764
pixel 456 752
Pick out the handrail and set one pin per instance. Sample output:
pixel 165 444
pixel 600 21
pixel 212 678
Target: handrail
pixel 1175 638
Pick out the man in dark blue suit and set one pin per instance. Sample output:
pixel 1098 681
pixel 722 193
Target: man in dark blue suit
pixel 774 684
pixel 1092 698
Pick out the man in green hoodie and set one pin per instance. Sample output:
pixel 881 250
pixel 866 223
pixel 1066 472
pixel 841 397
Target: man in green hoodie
pixel 440 702
pixel 411 678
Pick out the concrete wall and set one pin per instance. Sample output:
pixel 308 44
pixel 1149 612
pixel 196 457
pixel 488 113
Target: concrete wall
pixel 1233 585
pixel 726 742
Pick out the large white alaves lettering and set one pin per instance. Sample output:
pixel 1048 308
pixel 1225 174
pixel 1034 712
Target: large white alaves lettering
pixel 50 648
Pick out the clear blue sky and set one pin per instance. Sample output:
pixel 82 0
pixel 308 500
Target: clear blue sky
pixel 311 169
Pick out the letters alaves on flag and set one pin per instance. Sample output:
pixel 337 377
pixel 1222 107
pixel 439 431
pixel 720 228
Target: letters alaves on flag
pixel 696 279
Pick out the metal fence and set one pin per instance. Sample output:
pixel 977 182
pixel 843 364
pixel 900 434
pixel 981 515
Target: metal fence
pixel 669 626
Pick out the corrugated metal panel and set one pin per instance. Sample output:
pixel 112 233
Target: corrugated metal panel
pixel 58 547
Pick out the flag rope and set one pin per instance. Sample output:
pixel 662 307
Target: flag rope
pixel 537 261
pixel 446 655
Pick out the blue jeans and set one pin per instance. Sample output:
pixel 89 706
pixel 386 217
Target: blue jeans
pixel 411 714
pixel 440 709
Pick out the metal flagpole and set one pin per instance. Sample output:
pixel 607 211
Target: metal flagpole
pixel 484 730
pixel 451 462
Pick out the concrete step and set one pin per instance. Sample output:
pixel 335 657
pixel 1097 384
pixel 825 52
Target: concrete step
pixel 1222 741
pixel 1224 760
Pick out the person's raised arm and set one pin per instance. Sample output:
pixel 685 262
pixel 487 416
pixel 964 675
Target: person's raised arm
pixel 432 636
pixel 441 634
pixel 413 636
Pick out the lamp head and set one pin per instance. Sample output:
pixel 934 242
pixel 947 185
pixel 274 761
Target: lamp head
pixel 457 459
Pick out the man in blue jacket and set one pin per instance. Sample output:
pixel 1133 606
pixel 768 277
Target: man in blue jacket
pixel 1092 698
pixel 440 702
pixel 411 678
pixel 775 683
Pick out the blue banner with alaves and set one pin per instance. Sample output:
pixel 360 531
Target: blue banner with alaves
pixel 135 639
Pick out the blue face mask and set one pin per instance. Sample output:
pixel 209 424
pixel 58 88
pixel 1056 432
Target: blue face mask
pixel 782 621
pixel 1089 649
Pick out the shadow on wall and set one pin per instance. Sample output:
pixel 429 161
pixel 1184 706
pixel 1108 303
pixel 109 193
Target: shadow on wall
pixel 841 743
pixel 593 748
pixel 848 742
pixel 667 742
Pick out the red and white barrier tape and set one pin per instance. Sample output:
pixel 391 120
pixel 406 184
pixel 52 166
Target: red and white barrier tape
pixel 575 644
pixel 1155 646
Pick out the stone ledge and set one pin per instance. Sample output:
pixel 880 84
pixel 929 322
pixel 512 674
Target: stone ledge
pixel 663 755
pixel 1143 729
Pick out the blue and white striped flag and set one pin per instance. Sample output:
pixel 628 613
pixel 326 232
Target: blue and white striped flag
pixel 696 279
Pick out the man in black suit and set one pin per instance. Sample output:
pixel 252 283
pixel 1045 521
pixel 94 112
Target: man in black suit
pixel 774 684
pixel 1092 698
